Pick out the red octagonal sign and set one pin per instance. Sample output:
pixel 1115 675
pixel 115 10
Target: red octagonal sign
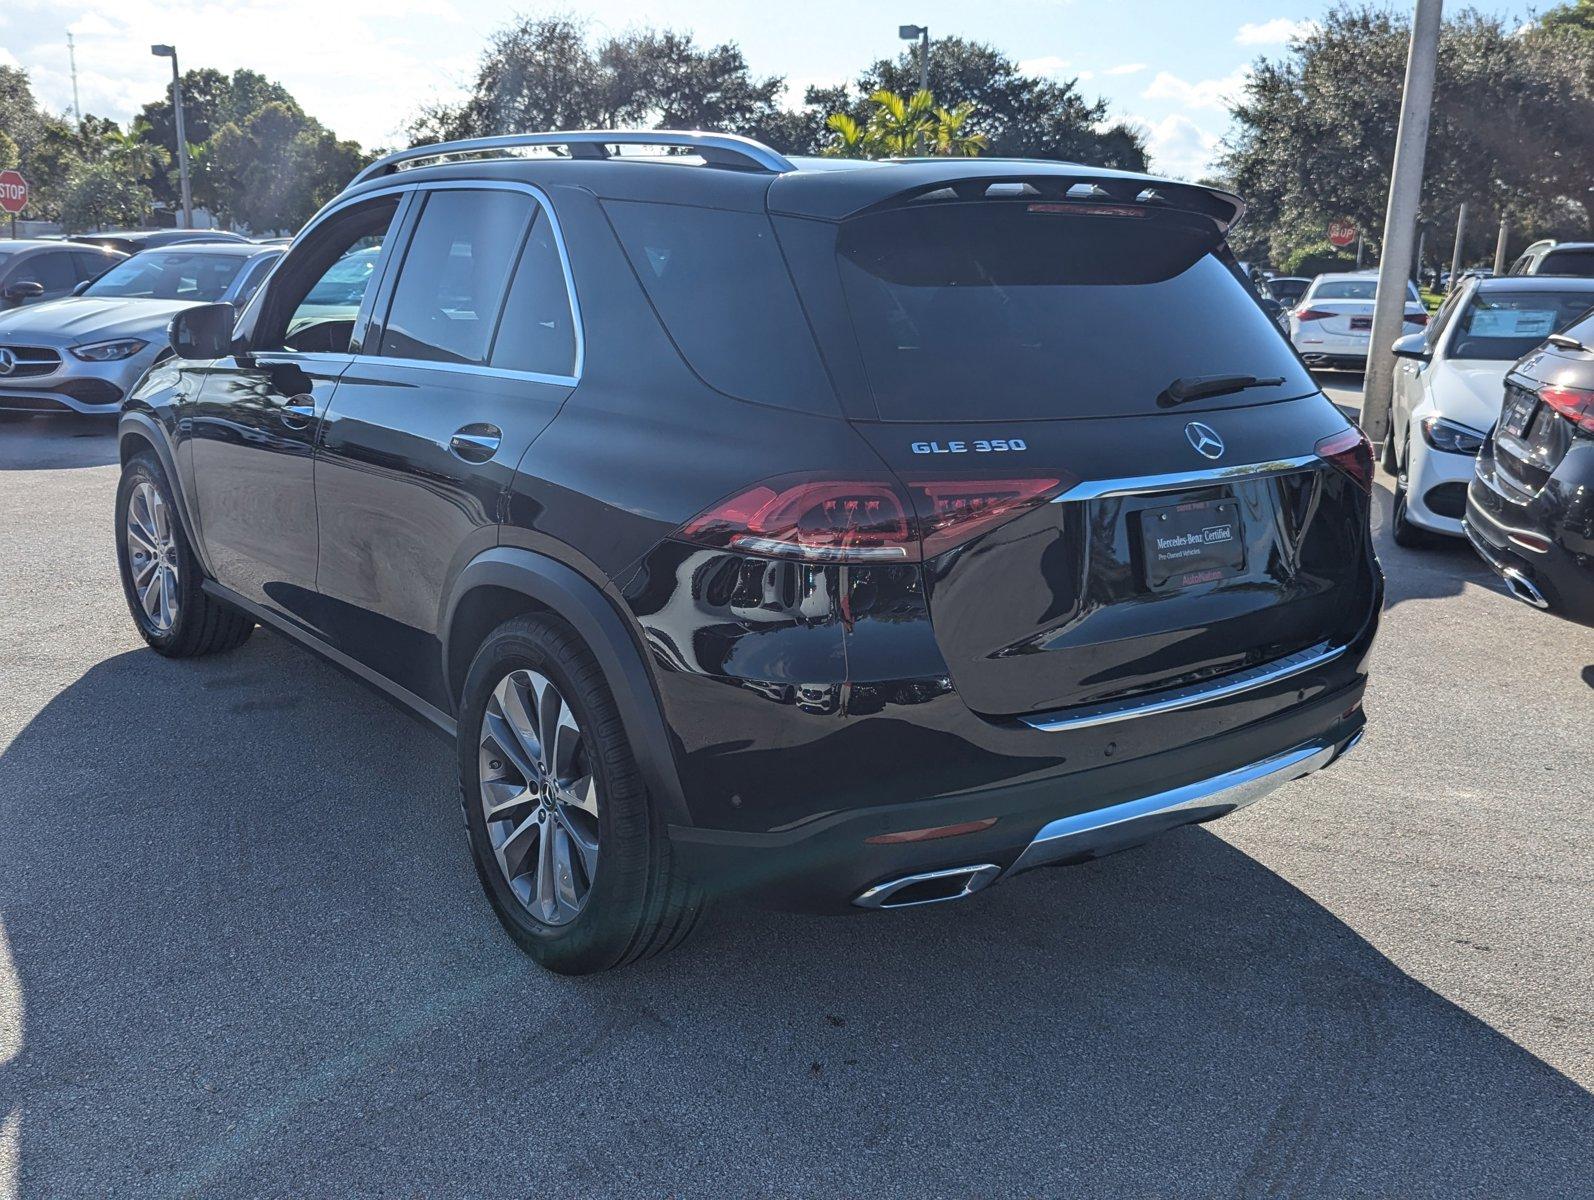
pixel 13 192
pixel 1342 233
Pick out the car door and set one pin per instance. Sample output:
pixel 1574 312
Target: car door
pixel 474 351
pixel 52 270
pixel 251 430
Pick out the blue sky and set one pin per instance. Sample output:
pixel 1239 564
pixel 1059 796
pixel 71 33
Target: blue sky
pixel 364 66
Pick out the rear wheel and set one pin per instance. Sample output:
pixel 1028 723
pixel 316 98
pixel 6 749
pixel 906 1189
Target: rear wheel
pixel 562 831
pixel 160 575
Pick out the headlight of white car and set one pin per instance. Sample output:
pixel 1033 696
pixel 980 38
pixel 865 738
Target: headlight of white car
pixel 109 351
pixel 1451 437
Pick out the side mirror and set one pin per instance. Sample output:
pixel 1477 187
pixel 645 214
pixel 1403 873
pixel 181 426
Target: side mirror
pixel 82 287
pixel 202 332
pixel 21 293
pixel 1413 345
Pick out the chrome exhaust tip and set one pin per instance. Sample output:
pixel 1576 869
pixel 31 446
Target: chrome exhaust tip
pixel 930 887
pixel 1520 586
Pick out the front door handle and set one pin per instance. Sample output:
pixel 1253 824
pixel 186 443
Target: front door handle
pixel 297 411
pixel 476 443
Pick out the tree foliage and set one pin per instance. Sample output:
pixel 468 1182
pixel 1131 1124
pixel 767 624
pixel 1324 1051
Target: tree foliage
pixel 898 126
pixel 1512 128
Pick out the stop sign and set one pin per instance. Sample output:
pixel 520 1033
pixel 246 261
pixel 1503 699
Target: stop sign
pixel 13 192
pixel 1341 233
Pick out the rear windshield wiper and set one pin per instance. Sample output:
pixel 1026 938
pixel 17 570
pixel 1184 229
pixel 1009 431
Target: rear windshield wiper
pixel 1565 342
pixel 1200 387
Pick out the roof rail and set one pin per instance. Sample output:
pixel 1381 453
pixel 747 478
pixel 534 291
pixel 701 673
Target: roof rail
pixel 719 149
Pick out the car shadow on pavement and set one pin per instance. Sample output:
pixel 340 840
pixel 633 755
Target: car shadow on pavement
pixel 250 958
pixel 1440 569
pixel 55 441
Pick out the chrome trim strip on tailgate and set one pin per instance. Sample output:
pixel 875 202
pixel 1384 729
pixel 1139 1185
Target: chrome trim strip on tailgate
pixel 1121 825
pixel 1092 489
pixel 1188 697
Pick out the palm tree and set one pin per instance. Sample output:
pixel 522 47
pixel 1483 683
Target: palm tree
pixel 949 137
pixel 902 126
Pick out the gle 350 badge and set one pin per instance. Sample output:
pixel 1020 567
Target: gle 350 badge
pixel 974 446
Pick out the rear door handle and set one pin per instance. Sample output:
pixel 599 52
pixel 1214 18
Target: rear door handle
pixel 476 443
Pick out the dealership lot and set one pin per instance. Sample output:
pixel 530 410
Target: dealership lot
pixel 242 951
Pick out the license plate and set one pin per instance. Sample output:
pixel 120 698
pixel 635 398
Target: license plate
pixel 1518 412
pixel 1361 324
pixel 1188 544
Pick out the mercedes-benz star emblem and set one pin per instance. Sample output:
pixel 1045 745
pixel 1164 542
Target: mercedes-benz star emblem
pixel 1205 439
pixel 8 361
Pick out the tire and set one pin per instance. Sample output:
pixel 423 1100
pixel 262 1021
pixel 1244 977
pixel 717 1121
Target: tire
pixel 1391 462
pixel 1406 534
pixel 161 578
pixel 575 860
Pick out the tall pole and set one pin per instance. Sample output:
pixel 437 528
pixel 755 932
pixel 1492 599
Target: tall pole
pixel 1455 256
pixel 182 145
pixel 1400 217
pixel 71 58
pixel 1500 241
pixel 924 58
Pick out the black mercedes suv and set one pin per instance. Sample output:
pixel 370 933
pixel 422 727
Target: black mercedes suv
pixel 839 534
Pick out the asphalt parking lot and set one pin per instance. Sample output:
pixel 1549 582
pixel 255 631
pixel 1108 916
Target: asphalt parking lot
pixel 243 953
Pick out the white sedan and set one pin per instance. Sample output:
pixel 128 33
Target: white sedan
pixel 1332 325
pixel 1449 386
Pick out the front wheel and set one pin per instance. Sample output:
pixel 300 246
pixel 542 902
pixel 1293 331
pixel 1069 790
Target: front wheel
pixel 562 831
pixel 160 574
pixel 1405 533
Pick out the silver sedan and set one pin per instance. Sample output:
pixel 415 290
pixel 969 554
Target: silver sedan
pixel 84 352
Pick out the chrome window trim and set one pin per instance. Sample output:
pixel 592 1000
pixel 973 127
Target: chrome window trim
pixel 1224 686
pixel 401 187
pixel 1095 489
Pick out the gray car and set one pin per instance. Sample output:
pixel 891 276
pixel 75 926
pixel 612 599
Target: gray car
pixel 35 271
pixel 83 353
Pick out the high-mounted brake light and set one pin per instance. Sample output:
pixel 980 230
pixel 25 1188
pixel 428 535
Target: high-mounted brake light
pixel 1314 314
pixel 1575 404
pixel 862 520
pixel 1351 452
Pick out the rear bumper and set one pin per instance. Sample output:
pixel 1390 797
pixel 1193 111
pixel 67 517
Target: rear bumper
pixel 1541 547
pixel 831 864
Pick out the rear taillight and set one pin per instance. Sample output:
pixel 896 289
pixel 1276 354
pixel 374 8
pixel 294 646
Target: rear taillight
pixel 1313 314
pixel 1417 318
pixel 1575 404
pixel 1352 453
pixel 862 520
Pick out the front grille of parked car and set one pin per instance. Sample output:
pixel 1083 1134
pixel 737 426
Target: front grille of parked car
pixel 31 360
pixel 1447 500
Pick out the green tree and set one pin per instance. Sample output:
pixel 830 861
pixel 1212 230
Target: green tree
pixel 549 74
pixel 10 156
pixel 899 126
pixel 1512 126
pixel 274 169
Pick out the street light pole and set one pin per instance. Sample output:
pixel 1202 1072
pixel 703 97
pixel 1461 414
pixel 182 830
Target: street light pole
pixel 182 134
pixel 1400 217
pixel 921 34
pixel 1500 242
pixel 1455 257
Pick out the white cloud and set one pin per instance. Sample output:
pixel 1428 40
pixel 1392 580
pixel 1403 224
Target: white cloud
pixel 1202 93
pixel 1179 147
pixel 1045 67
pixel 1125 69
pixel 1276 32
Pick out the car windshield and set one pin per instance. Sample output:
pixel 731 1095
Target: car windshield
pixel 1504 326
pixel 170 275
pixel 345 280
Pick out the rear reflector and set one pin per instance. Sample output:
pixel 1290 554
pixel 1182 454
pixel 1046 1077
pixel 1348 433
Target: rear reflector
pixel 1575 404
pixel 1352 453
pixel 929 835
pixel 855 520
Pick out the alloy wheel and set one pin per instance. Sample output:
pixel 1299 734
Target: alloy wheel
pixel 539 797
pixel 152 556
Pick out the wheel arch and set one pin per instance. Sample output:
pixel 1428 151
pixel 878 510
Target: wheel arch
pixel 138 431
pixel 505 582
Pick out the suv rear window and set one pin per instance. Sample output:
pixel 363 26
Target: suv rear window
pixel 1568 262
pixel 1016 311
pixel 718 282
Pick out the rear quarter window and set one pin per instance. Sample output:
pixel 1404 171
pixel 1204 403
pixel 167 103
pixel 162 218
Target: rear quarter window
pixel 719 284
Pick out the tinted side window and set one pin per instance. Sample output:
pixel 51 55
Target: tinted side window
pixel 537 332
pixel 721 287
pixel 52 269
pixel 451 284
pixel 92 266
